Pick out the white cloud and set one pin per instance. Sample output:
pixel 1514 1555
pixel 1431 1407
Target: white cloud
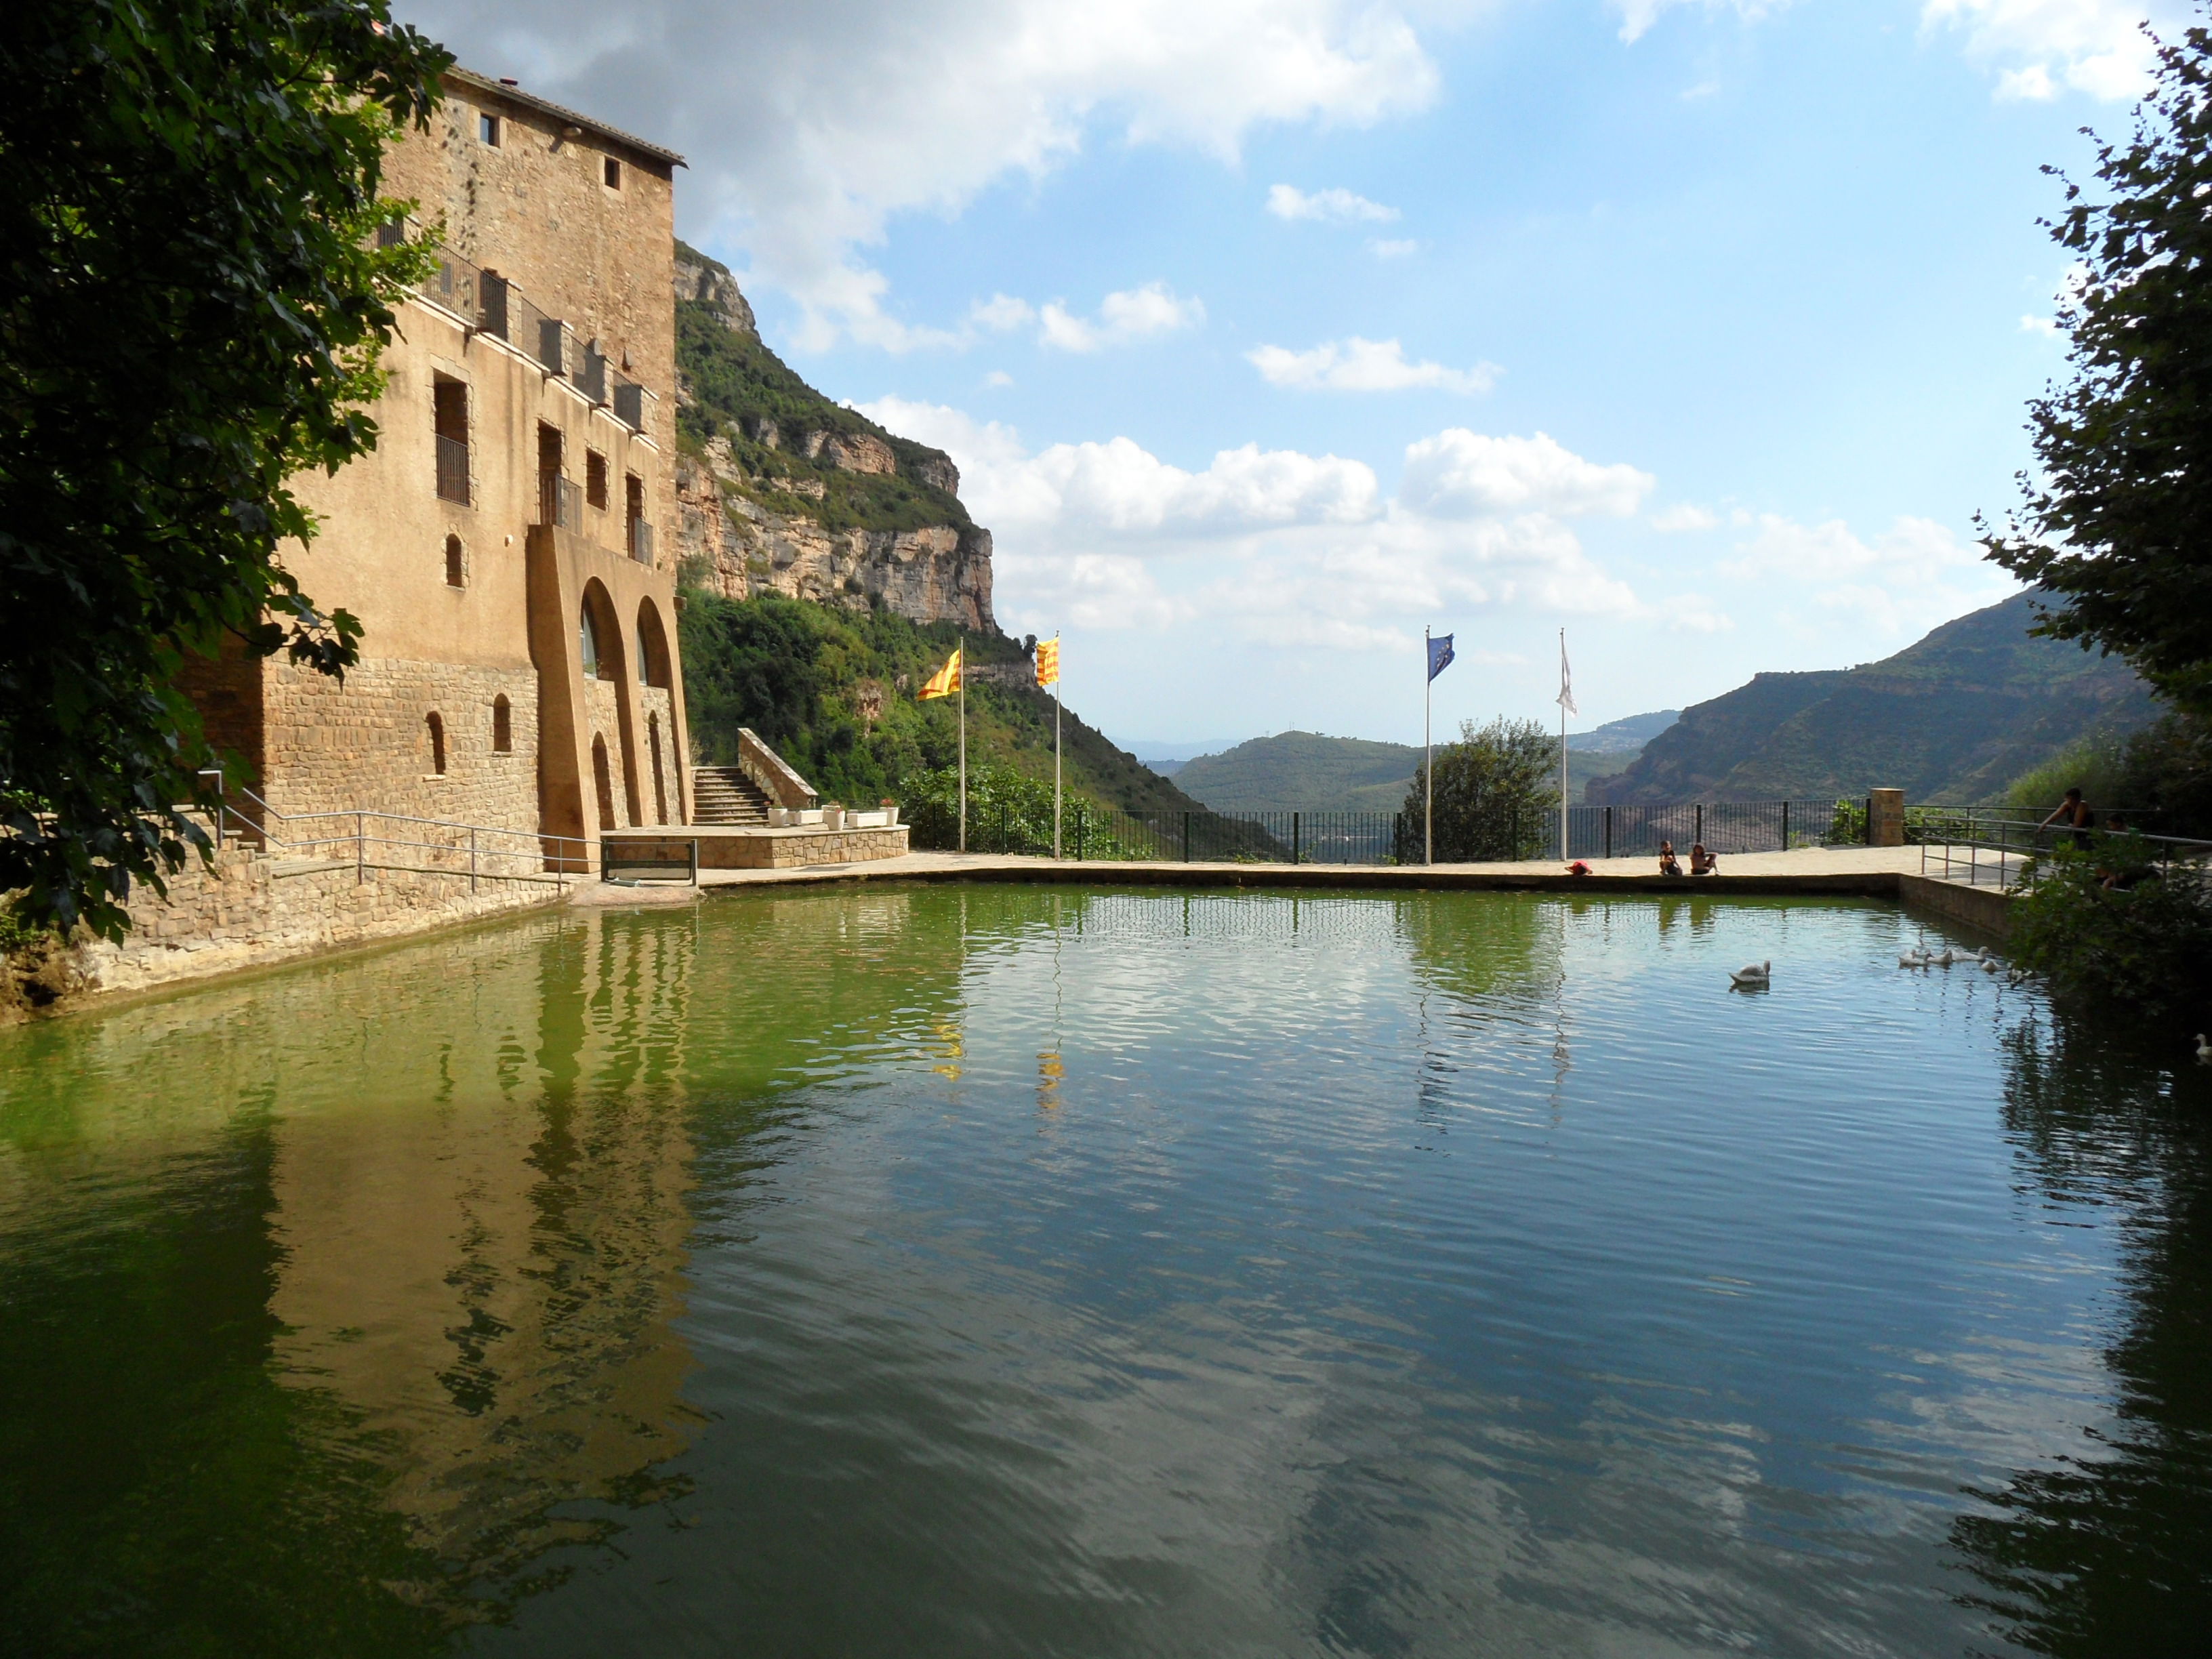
pixel 998 377
pixel 1358 365
pixel 1637 16
pixel 1461 474
pixel 1914 575
pixel 1001 312
pixel 1277 545
pixel 1393 249
pixel 2041 47
pixel 1329 206
pixel 809 128
pixel 1684 515
pixel 1137 314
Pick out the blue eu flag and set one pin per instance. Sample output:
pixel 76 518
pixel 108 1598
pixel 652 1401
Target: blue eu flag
pixel 1440 655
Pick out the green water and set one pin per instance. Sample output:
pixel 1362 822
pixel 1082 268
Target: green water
pixel 1012 1271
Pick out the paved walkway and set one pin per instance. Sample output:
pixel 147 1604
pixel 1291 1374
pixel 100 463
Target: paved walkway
pixel 1812 869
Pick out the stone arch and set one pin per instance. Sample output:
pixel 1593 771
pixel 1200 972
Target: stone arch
pixel 502 726
pixel 652 659
pixel 598 634
pixel 606 656
pixel 436 724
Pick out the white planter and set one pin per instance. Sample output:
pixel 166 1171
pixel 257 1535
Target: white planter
pixel 799 818
pixel 779 816
pixel 890 817
pixel 833 817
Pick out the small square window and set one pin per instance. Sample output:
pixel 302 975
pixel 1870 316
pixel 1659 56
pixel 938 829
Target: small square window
pixel 613 173
pixel 488 130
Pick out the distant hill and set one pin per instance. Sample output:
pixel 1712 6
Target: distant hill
pixel 1952 719
pixel 1294 771
pixel 1626 737
pixel 1303 770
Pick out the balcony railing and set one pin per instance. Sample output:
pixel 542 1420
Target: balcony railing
pixel 560 501
pixel 452 469
pixel 640 540
pixel 590 374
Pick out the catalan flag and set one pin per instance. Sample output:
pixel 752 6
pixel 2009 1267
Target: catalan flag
pixel 1048 661
pixel 944 682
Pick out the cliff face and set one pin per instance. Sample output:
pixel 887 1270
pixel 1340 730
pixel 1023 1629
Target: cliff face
pixel 732 545
pixel 780 490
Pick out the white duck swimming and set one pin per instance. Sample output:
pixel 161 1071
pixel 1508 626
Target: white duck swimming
pixel 1914 959
pixel 1759 973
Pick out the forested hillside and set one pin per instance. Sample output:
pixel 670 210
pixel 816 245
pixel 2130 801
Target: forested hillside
pixel 832 691
pixel 1953 717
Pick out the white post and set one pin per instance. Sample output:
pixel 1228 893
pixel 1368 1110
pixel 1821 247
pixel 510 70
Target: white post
pixel 963 743
pixel 1563 746
pixel 1428 759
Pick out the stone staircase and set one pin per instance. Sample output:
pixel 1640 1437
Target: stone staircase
pixel 724 795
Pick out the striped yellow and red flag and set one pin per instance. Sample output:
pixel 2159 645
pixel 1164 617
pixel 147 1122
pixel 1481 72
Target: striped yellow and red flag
pixel 1048 661
pixel 944 682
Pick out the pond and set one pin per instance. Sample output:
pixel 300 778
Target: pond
pixel 1012 1271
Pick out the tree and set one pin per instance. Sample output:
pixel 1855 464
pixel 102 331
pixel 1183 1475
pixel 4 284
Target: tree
pixel 1497 793
pixel 2119 527
pixel 193 293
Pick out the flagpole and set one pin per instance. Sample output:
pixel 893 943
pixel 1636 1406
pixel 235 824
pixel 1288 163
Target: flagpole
pixel 963 743
pixel 1056 746
pixel 1563 746
pixel 1428 757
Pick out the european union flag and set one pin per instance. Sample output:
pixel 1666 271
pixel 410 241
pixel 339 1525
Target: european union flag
pixel 1440 655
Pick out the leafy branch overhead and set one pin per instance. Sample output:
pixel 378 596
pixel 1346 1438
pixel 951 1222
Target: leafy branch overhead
pixel 2115 532
pixel 193 302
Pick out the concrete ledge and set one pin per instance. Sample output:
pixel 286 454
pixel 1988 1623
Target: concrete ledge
pixel 1989 908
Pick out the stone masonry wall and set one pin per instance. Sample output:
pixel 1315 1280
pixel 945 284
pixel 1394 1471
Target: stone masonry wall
pixel 252 909
pixel 366 744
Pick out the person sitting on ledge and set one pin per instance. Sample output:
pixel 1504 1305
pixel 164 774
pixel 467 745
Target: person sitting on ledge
pixel 1669 864
pixel 1703 863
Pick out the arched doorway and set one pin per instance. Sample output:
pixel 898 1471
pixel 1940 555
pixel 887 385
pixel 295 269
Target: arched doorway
pixel 602 781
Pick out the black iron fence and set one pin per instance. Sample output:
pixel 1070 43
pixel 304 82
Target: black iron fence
pixel 1088 831
pixel 452 469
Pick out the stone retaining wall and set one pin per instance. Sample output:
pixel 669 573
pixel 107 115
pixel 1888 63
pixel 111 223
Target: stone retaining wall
pixel 250 910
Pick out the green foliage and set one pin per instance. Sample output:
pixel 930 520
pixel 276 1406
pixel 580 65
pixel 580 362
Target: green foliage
pixel 2160 774
pixel 734 377
pixel 1292 771
pixel 192 304
pixel 832 690
pixel 2114 523
pixel 1497 794
pixel 2146 946
pixel 1847 826
pixel 1008 811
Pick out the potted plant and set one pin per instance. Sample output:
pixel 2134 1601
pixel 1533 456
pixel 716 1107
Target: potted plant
pixel 833 815
pixel 890 811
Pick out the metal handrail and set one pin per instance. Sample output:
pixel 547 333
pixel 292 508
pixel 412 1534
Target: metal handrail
pixel 547 847
pixel 2017 846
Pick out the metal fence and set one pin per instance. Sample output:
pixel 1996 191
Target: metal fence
pixel 372 840
pixel 2012 850
pixel 1324 837
pixel 452 469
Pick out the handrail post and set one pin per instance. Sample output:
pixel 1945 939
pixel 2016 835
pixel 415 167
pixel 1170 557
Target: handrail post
pixel 472 858
pixel 1294 838
pixel 359 848
pixel 1785 826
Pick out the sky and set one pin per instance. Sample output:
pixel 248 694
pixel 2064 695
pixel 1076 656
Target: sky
pixel 1268 333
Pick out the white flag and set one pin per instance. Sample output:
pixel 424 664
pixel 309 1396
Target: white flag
pixel 1566 679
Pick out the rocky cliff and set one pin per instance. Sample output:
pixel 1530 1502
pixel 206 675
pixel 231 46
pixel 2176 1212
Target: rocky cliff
pixel 780 490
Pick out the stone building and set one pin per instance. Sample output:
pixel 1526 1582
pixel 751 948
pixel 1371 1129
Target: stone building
pixel 509 545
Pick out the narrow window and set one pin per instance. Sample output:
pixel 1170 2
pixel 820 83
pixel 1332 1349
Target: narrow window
pixel 613 173
pixel 449 406
pixel 587 642
pixel 549 479
pixel 595 479
pixel 503 727
pixel 637 534
pixel 437 744
pixel 456 574
pixel 488 130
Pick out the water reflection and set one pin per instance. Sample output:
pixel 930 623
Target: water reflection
pixel 2107 1549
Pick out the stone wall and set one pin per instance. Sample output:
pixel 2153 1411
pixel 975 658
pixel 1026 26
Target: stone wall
pixel 365 745
pixel 252 909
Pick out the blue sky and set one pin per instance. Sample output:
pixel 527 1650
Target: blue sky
pixel 1268 332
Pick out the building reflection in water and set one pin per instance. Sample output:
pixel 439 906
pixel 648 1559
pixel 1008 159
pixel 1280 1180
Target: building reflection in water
pixel 2109 1550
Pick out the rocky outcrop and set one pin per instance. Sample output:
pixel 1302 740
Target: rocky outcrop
pixel 734 546
pixel 700 278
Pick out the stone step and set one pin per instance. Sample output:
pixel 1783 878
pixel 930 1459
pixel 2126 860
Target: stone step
pixel 725 795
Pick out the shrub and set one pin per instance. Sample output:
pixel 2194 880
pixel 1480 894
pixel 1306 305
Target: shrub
pixel 2147 945
pixel 1497 795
